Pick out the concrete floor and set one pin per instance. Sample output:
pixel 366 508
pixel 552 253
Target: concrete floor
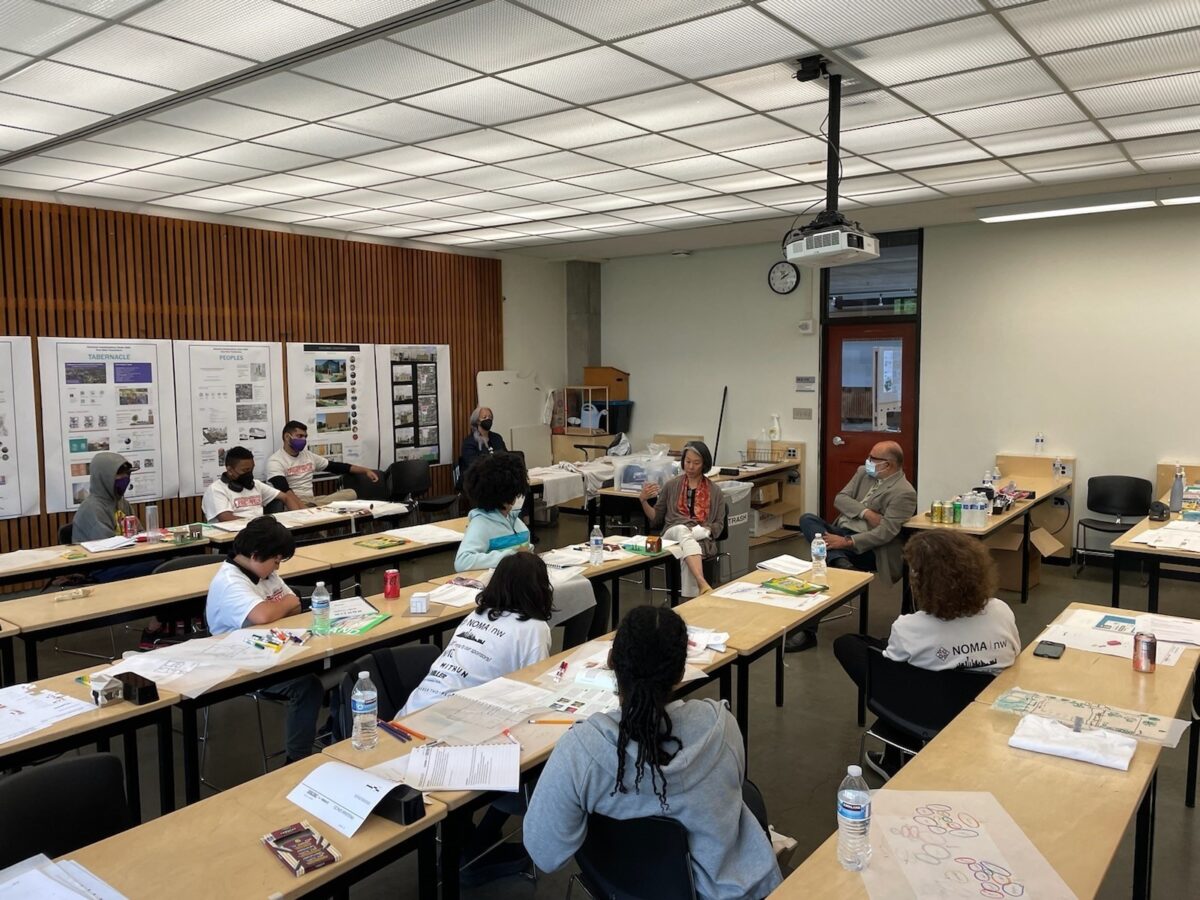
pixel 798 754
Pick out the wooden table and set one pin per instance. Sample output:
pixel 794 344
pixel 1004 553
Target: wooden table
pixel 44 616
pixel 755 629
pixel 1126 553
pixel 1044 487
pixel 8 666
pixel 213 848
pixel 333 520
pixel 347 555
pixel 61 564
pixel 99 726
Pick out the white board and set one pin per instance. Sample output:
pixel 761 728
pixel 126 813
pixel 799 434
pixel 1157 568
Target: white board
pixel 229 394
pixel 107 394
pixel 515 399
pixel 415 402
pixel 331 389
pixel 20 468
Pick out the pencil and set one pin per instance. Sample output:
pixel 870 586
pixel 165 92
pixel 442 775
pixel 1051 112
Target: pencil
pixel 553 721
pixel 408 730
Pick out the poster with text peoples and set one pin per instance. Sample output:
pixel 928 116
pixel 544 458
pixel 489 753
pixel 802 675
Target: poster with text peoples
pixel 331 389
pixel 20 469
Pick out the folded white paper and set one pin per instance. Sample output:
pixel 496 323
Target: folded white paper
pixel 341 795
pixel 1092 745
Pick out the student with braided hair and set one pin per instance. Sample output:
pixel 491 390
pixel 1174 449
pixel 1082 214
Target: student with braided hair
pixel 655 756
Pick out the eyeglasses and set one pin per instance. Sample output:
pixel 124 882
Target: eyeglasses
pixel 879 459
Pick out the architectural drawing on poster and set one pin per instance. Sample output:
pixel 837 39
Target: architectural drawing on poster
pixel 104 394
pixel 1143 726
pixel 20 468
pixel 229 394
pixel 415 402
pixel 330 389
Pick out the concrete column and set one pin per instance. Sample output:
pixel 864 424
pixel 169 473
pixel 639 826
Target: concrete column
pixel 583 318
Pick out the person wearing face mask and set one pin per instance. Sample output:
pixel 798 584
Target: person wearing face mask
pixel 290 469
pixel 480 441
pixel 102 512
pixel 872 509
pixel 237 494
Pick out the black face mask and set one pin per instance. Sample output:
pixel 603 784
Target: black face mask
pixel 485 424
pixel 241 483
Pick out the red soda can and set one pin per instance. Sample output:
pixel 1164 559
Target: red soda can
pixel 1145 650
pixel 129 525
pixel 391 584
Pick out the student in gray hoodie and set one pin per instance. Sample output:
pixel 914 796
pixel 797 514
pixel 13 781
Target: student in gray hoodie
pixel 99 515
pixel 683 760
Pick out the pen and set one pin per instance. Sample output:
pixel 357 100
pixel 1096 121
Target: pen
pixel 553 721
pixel 562 670
pixel 410 732
pixel 395 732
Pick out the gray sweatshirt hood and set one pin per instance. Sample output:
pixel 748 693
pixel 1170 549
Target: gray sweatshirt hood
pixel 96 517
pixel 104 472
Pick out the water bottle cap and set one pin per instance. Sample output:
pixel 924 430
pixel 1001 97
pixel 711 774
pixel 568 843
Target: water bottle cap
pixel 320 584
pixel 364 675
pixel 817 535
pixel 854 771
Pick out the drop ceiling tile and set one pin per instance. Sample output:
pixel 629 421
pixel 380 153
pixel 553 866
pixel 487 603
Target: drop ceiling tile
pixel 360 12
pixel 621 180
pixel 225 119
pixel 107 155
pixel 325 141
pixel 1055 109
pixel 491 178
pixel 105 9
pixel 749 181
pixel 548 192
pixel 574 128
pixel 61 168
pixel 1013 81
pixel 540 211
pixel 487 101
pixel 767 87
pixel 791 195
pixel 161 138
pixel 602 203
pixel 204 170
pixel 834 24
pixel 710 205
pixel 1065 159
pixel 1113 63
pixel 334 223
pixel 990 168
pixel 669 193
pixel 423 189
pixel 1140 96
pixel 114 191
pixel 1086 173
pixel 933 155
pixel 986 185
pixel 393 231
pixel 784 153
pixel 379 216
pixel 1171 163
pixel 256 29
pixel 851 166
pixel 152 58
pixel 317 207
pixel 595 220
pixel 896 136
pixel 1151 124
pixel 492 37
pixel 487 200
pixel 363 197
pixel 747 214
pixel 451 239
pixel 1042 139
pixel 674 107
pixel 31 27
pixel 385 68
pixel 259 156
pixel 273 215
pixel 429 209
pixel 347 173
pixel 734 134
pixel 686 222
pixel 399 123
pixel 858 111
pixel 295 95
pixel 486 145
pixel 291 184
pixel 697 167
pixel 34 182
pixel 590 76
pixel 719 43
pixel 10 61
pixel 76 87
pixel 874 184
pixel 641 151
pixel 654 214
pixel 38 115
pixel 614 19
pixel 563 164
pixel 242 195
pixel 906 195
pixel 1169 145
pixel 200 204
pixel 938 50
pixel 536 228
pixel 20 138
pixel 487 219
pixel 412 161
pixel 1067 24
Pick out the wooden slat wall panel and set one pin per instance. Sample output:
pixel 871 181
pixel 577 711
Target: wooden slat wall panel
pixel 70 271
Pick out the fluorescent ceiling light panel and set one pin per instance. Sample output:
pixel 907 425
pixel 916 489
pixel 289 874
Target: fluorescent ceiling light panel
pixel 785 196
pixel 602 203
pixel 423 189
pixel 146 135
pixel 428 209
pixel 260 156
pixel 750 181
pixel 200 204
pixel 347 173
pixel 939 50
pixel 697 167
pixel 413 161
pixel 874 184
pixel 834 24
pixel 1168 145
pixel 294 95
pixel 669 193
pixel 76 87
pixel 273 215
pixel 984 87
pixel 487 101
pixel 906 195
pixel 575 128
pixel 105 9
pixel 858 111
pixel 363 197
pixel 1189 161
pixel 243 195
pixel 326 141
pixel 107 155
pixel 385 68
pixel 768 87
pixel 896 136
pixel 748 214
pixel 493 36
pixel 563 164
pixel 674 107
pixel 318 207
pixel 1066 24
pixel 38 115
pixel 291 184
pixel 709 205
pixel 1179 196
pixel 641 151
pixel 990 168
pixel 1042 139
pixel 1138 96
pixel 1086 173
pixel 655 214
pixel 398 123
pixel 487 219
pixel 541 211
pixel 534 228
pixel 10 61
pixel 594 220
pixel 152 58
pixel 487 146
pixel 984 185
pixel 933 155
pixel 225 119
pixel 1066 206
pixel 1055 109
pixel 34 28
pixel 448 239
pixel 723 42
pixel 333 223
pixel 1152 124
pixel 734 134
pixel 392 231
pixel 361 12
pixel 256 29
pixel 487 200
pixel 379 216
pixel 589 76
pixel 1129 61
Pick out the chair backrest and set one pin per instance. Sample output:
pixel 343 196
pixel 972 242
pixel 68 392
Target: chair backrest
pixel 408 478
pixel 636 859
pixel 365 488
pixel 920 701
pixel 1119 495
pixel 395 671
pixel 64 533
pixel 60 806
pixel 185 562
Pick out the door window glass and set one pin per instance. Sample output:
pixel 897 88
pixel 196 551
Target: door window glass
pixel 871 385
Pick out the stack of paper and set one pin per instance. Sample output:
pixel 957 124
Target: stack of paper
pixel 241 649
pixel 341 795
pixel 427 534
pixel 759 593
pixel 24 709
pixel 455 595
pixel 45 879
pixel 702 639
pixel 184 676
pixel 119 542
pixel 17 558
pixel 494 766
pixel 1170 628
pixel 785 565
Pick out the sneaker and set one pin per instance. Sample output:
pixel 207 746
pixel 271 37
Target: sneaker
pixel 499 862
pixel 150 639
pixel 885 763
pixel 800 641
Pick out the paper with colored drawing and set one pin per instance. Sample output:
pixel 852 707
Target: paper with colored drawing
pixel 427 534
pixel 746 592
pixel 25 709
pixel 1154 729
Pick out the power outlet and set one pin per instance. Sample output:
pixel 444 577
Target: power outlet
pixel 802 413
pixel 791 453
pixel 1060 501
pixel 806 326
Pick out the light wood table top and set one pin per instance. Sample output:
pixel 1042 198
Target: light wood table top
pixel 744 474
pixel 213 848
pixel 8 629
pixel 972 754
pixel 604 570
pixel 329 518
pixel 349 551
pixel 1045 488
pixel 1098 678
pixel 1125 541
pixel 752 626
pixel 97 717
pixel 73 556
pixel 43 611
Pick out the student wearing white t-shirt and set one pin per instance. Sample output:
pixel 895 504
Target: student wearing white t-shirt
pixel 237 494
pixel 291 468
pixel 247 592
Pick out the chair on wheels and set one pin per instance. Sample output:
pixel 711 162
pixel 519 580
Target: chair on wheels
pixel 58 807
pixel 409 482
pixel 914 704
pixel 1122 496
pixel 395 672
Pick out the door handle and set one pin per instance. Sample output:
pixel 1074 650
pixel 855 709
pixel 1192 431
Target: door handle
pixel 837 441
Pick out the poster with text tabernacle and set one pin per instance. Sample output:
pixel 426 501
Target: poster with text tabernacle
pixel 414 402
pixel 230 394
pixel 107 395
pixel 331 389
pixel 20 469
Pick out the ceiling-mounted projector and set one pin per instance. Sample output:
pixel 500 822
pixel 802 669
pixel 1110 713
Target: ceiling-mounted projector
pixel 830 240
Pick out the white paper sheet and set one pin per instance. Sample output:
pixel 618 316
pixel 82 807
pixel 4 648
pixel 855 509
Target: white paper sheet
pixel 479 767
pixel 184 676
pixel 233 525
pixel 1170 539
pixel 93 886
pixel 558 486
pixel 785 565
pixel 340 795
pixel 507 694
pixel 20 468
pixel 454 595
pixel 1170 628
pixel 37 883
pixel 700 639
pixel 562 574
pixel 427 534
pixel 350 608
pixel 233 649
pixel 757 593
pixel 24 709
pixel 1143 726
pixel 18 559
pixel 1110 643
pixel 119 542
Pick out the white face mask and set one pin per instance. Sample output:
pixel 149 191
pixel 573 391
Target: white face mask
pixel 518 503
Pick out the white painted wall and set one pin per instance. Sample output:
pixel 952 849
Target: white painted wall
pixel 535 318
pixel 684 327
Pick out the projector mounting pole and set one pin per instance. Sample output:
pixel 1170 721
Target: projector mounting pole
pixel 834 140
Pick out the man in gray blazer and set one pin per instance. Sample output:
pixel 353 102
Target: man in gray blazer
pixel 872 509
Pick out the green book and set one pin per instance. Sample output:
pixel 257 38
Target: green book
pixel 796 587
pixel 382 542
pixel 360 625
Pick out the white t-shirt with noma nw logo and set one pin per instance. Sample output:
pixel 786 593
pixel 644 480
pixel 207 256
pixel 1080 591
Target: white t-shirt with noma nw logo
pixel 987 640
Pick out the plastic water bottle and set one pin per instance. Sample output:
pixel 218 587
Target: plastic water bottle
pixel 1039 443
pixel 995 475
pixel 1177 490
pixel 152 532
pixel 819 552
pixel 596 547
pixel 1057 468
pixel 364 706
pixel 987 478
pixel 854 821
pixel 320 609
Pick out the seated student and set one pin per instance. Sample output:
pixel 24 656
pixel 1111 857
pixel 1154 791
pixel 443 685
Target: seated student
pixel 494 530
pixel 691 510
pixel 683 759
pixel 480 441
pixel 102 513
pixel 290 469
pixel 238 494
pixel 247 592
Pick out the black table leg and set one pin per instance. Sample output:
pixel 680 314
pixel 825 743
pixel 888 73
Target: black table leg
pixel 1025 523
pixel 906 600
pixel 452 833
pixel 674 569
pixel 1155 571
pixel 725 684
pixel 1143 842
pixel 133 784
pixel 779 673
pixel 742 712
pixel 1193 745
pixel 104 745
pixel 427 865
pixel 166 763
pixel 31 661
pixel 191 754
pixel 616 600
pixel 1116 579
pixel 8 663
pixel 864 602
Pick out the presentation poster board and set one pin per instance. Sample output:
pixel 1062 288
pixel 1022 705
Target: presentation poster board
pixel 415 402
pixel 331 389
pixel 229 394
pixel 20 468
pixel 107 394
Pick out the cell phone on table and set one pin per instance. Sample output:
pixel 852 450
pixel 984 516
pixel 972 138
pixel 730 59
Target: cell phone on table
pixel 1049 649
